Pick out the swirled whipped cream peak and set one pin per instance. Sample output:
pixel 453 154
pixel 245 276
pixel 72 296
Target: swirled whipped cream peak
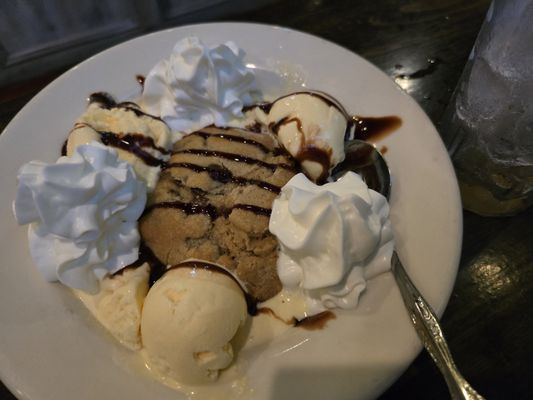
pixel 199 85
pixel 333 238
pixel 83 213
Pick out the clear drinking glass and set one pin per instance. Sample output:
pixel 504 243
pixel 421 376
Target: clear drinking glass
pixel 488 125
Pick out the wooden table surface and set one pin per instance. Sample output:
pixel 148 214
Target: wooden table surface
pixel 488 321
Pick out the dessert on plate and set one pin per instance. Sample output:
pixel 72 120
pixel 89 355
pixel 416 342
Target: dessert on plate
pixel 213 202
pixel 180 216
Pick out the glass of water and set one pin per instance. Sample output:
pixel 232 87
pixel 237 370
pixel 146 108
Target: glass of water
pixel 488 125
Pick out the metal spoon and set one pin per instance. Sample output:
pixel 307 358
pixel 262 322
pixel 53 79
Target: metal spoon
pixel 367 161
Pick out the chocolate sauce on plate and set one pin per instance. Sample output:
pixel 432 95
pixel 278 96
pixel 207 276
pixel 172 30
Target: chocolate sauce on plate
pixel 315 322
pixel 311 323
pixel 374 128
pixel 140 79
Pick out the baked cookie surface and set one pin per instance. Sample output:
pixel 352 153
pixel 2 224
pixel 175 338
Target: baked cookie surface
pixel 213 202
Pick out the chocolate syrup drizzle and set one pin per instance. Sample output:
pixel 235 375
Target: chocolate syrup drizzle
pixel 198 192
pixel 308 152
pixel 207 209
pixel 275 126
pixel 146 255
pixel 231 138
pixel 105 100
pixel 250 207
pixel 265 107
pixel 140 80
pixel 188 208
pixel 256 127
pixel 235 157
pixel 358 127
pixel 130 142
pixel 365 127
pixel 64 148
pixel 223 175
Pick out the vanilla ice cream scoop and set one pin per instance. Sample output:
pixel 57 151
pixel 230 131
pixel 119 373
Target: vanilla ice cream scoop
pixel 139 138
pixel 311 127
pixel 189 318
pixel 118 304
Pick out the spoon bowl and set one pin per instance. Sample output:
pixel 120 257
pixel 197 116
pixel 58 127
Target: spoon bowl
pixel 364 159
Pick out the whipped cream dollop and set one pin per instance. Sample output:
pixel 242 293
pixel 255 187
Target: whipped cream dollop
pixel 199 85
pixel 83 213
pixel 333 238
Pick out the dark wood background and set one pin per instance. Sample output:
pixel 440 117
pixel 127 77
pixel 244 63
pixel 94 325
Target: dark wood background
pixel 488 321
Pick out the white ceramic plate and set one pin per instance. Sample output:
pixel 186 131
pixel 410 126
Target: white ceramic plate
pixel 51 348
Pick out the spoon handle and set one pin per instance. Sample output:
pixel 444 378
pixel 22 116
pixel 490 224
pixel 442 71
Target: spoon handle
pixel 430 333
